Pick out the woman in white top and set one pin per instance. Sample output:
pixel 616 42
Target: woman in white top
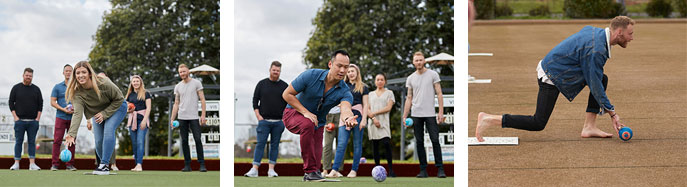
pixel 380 103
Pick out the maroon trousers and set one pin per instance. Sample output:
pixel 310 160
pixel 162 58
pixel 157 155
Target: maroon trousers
pixel 311 138
pixel 61 126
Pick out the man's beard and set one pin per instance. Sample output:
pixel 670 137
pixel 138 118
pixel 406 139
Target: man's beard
pixel 623 41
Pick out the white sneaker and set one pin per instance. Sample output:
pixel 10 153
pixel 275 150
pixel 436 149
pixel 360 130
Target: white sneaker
pixel 334 174
pixel 352 174
pixel 114 168
pixel 15 166
pixel 324 173
pixel 271 173
pixel 138 168
pixel 252 173
pixel 33 166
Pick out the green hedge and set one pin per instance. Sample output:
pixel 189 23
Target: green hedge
pixel 592 8
pixel 503 11
pixel 681 6
pixel 485 9
pixel 659 8
pixel 541 10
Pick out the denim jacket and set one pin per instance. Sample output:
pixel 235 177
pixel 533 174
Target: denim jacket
pixel 578 61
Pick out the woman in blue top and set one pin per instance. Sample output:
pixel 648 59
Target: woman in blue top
pixel 138 123
pixel 360 93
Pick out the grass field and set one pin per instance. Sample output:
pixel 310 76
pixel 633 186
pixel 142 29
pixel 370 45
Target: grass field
pixel 123 178
pixel 357 182
pixel 524 6
pixel 300 160
pixel 556 6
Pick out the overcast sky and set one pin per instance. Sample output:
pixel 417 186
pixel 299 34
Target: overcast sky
pixel 265 32
pixel 45 35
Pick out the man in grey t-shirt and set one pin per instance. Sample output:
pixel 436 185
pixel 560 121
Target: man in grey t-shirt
pixel 186 96
pixel 422 85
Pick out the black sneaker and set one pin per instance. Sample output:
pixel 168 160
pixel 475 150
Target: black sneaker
pixel 392 174
pixel 187 168
pixel 313 177
pixel 104 170
pixel 422 174
pixel 71 168
pixel 202 168
pixel 441 173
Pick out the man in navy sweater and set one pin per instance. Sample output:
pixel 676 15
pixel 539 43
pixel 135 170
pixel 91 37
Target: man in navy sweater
pixel 26 104
pixel 269 107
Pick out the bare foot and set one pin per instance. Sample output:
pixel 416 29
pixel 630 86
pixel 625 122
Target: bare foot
pixel 593 132
pixel 484 121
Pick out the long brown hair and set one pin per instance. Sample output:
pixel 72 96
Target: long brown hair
pixel 141 91
pixel 358 80
pixel 74 86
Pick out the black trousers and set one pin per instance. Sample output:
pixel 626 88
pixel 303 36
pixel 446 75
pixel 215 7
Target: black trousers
pixel 194 126
pixel 546 100
pixel 375 151
pixel 433 131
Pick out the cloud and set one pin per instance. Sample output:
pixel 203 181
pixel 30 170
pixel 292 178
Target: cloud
pixel 265 32
pixel 45 35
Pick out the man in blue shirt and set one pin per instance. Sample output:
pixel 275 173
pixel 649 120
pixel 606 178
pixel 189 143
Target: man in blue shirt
pixel 310 97
pixel 62 120
pixel 576 62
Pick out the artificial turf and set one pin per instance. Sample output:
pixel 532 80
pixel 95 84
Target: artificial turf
pixel 348 182
pixel 62 177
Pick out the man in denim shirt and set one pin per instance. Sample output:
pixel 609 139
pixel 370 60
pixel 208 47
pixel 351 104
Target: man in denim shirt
pixel 310 97
pixel 576 62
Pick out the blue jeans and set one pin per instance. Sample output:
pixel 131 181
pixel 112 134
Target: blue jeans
pixel 274 130
pixel 342 143
pixel 104 134
pixel 31 129
pixel 138 141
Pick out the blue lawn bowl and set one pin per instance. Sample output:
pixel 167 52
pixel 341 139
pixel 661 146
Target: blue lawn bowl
pixel 65 155
pixel 175 124
pixel 409 122
pixel 379 173
pixel 625 133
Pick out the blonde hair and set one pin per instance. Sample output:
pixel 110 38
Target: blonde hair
pixel 419 53
pixel 141 91
pixel 621 22
pixel 358 82
pixel 182 66
pixel 74 86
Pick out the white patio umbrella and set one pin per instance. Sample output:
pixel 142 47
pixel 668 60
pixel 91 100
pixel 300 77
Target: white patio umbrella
pixel 204 70
pixel 440 59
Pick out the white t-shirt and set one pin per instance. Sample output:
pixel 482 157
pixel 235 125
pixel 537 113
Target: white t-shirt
pixel 542 75
pixel 188 99
pixel 423 93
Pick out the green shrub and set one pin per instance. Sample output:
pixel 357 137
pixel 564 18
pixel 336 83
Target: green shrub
pixel 592 8
pixel 659 8
pixel 485 9
pixel 504 10
pixel 681 6
pixel 541 10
